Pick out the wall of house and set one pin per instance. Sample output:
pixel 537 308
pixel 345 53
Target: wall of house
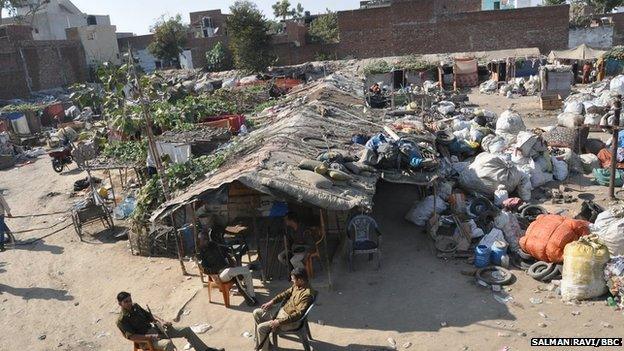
pixel 595 37
pixel 139 45
pixel 99 42
pixel 409 27
pixel 33 65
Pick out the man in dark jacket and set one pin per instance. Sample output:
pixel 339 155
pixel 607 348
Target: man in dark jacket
pixel 140 326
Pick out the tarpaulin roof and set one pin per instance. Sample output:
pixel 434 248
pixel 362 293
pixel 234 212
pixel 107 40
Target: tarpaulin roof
pixel 321 116
pixel 581 52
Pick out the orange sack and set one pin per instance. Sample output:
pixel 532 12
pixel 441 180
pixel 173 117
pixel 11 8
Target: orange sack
pixel 549 234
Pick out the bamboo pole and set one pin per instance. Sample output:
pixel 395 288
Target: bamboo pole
pixel 324 231
pixel 178 245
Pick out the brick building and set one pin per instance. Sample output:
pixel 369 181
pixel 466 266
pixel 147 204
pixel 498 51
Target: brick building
pixel 28 65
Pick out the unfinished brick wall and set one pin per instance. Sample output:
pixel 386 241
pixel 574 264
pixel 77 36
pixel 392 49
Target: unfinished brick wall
pixel 40 64
pixel 420 27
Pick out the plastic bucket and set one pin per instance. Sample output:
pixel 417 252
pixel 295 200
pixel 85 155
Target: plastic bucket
pixel 482 256
pixel 499 249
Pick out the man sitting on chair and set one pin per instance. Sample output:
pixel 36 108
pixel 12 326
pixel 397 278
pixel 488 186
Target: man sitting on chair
pixel 298 299
pixel 214 261
pixel 300 242
pixel 141 326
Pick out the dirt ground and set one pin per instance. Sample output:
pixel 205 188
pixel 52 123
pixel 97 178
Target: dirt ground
pixel 59 293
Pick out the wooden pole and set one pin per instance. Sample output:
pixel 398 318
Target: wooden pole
pixel 110 179
pixel 257 237
pixel 178 245
pixel 148 128
pixel 614 147
pixel 195 239
pixel 324 232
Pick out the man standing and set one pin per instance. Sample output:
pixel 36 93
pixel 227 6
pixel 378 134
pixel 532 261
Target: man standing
pixel 4 209
pixel 299 241
pixel 139 325
pixel 298 299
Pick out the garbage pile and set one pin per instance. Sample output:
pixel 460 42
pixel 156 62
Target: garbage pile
pixel 590 109
pixel 514 87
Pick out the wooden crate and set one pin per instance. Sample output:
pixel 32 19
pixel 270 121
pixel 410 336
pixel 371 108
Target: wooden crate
pixel 551 102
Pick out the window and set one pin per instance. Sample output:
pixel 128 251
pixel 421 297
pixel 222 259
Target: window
pixel 207 27
pixel 91 36
pixel 91 20
pixel 497 5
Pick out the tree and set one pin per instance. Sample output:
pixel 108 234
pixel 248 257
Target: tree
pixel 250 42
pixel 554 2
pixel 170 37
pixel 10 6
pixel 217 59
pixel 282 9
pixel 324 29
pixel 604 6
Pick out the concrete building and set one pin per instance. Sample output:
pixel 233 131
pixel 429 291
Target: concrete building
pixel 487 5
pixel 50 18
pixel 139 44
pixel 99 42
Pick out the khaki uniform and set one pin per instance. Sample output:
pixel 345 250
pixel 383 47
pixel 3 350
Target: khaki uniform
pixel 298 300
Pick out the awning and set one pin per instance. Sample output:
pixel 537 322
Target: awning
pixel 581 52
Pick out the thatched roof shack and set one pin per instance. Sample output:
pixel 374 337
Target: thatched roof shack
pixel 319 117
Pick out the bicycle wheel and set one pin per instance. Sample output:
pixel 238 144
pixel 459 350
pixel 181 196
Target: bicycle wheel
pixel 9 241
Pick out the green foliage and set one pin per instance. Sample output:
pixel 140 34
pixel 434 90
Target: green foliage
pixel 616 53
pixel 324 29
pixel 86 95
pixel 128 151
pixel 217 59
pixel 554 2
pixel 603 6
pixel 27 107
pixel 377 67
pixel 179 176
pixel 169 38
pixel 415 63
pixel 250 42
pixel 269 103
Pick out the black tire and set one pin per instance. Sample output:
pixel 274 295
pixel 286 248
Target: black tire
pixel 523 255
pixel 484 274
pixel 57 166
pixel 555 274
pixel 532 211
pixel 541 269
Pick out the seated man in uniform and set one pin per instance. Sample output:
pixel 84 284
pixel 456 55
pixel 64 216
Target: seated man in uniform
pixel 139 325
pixel 298 299
pixel 299 241
pixel 214 261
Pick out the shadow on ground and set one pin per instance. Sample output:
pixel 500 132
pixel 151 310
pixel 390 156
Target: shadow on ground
pixel 36 293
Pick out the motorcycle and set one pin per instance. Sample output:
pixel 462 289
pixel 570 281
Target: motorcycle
pixel 61 158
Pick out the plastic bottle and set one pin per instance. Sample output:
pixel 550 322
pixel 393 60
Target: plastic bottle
pixel 500 195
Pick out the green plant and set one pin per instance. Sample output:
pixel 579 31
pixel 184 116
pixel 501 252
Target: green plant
pixel 27 107
pixel 324 29
pixel 415 63
pixel 250 42
pixel 170 36
pixel 128 151
pixel 217 59
pixel 616 53
pixel 86 95
pixel 377 67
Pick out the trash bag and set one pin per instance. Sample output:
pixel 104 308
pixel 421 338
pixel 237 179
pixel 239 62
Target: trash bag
pixel 609 227
pixel 508 223
pixel 494 144
pixel 530 144
pixel 617 85
pixel 560 169
pixel 446 107
pixel 509 122
pixel 583 265
pixel 573 107
pixel 488 86
pixel 548 235
pixel 422 211
pixel 592 119
pixel 570 120
pixel 487 171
